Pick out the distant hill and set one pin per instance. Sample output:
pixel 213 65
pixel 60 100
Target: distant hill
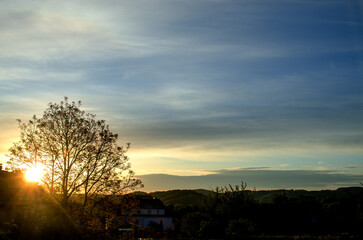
pixel 180 197
pixel 268 196
pixel 195 197
pixel 203 191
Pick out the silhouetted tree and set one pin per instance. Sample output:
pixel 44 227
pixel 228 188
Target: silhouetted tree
pixel 227 209
pixel 78 153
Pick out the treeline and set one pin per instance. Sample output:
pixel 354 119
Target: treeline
pixel 233 213
pixel 230 212
pixel 195 197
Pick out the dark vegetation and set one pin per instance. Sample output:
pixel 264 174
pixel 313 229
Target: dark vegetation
pixel 195 197
pixel 180 197
pixel 237 213
pixel 28 212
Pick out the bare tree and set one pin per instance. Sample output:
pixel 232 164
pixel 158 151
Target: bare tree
pixel 78 153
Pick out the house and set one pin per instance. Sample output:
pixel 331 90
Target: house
pixel 152 211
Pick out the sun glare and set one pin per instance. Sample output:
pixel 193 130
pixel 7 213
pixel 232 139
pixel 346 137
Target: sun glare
pixel 34 174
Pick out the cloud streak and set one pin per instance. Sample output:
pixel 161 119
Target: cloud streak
pixel 187 82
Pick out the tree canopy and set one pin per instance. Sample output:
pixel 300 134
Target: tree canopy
pixel 78 153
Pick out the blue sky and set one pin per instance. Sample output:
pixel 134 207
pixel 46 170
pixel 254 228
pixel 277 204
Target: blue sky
pixel 197 87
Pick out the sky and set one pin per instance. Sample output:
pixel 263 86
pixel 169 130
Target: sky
pixel 208 92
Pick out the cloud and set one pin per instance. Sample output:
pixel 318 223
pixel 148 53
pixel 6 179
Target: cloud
pixel 259 178
pixel 261 127
pixel 193 80
pixel 350 167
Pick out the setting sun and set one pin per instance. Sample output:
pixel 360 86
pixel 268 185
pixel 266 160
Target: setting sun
pixel 34 174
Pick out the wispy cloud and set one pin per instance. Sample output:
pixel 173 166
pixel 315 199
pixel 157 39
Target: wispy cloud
pixel 194 82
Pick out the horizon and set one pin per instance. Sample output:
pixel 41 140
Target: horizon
pixel 289 179
pixel 207 92
pixel 247 189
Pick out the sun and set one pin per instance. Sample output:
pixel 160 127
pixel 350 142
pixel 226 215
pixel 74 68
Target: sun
pixel 34 174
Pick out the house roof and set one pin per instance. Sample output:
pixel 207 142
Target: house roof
pixel 150 204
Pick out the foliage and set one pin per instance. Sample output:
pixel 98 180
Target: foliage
pixel 225 206
pixel 104 217
pixel 236 213
pixel 180 197
pixel 79 153
pixel 27 212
